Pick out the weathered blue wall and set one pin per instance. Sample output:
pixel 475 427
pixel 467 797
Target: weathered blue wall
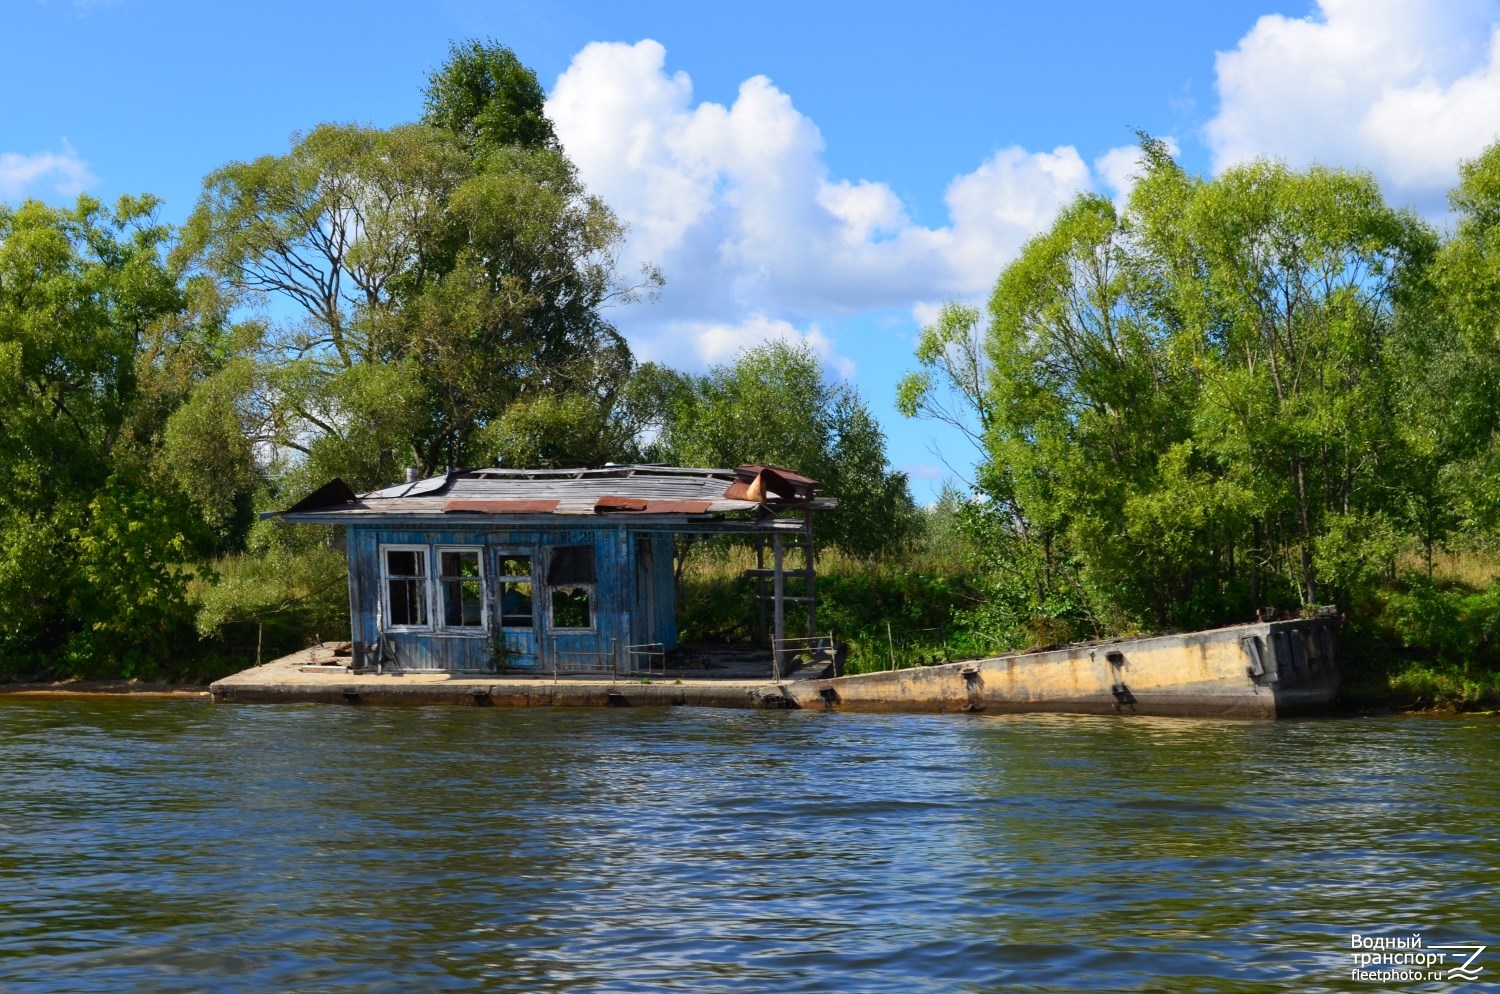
pixel 618 621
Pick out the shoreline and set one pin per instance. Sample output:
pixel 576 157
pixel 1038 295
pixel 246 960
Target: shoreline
pixel 122 689
pixel 1359 697
pixel 101 688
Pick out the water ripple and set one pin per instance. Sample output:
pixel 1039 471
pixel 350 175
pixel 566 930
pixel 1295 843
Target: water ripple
pixel 181 847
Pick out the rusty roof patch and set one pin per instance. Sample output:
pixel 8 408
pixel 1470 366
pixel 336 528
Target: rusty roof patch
pixel 625 505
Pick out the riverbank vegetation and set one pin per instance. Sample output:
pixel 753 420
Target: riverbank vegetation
pixel 1266 391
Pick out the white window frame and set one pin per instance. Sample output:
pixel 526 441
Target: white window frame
pixel 385 586
pixel 439 616
pixel 502 580
pixel 593 589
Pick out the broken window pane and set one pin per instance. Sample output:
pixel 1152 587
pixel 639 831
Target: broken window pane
pixel 571 607
pixel 515 605
pixel 462 588
pixel 463 603
pixel 515 591
pixel 408 602
pixel 406 586
pixel 462 562
pixel 405 562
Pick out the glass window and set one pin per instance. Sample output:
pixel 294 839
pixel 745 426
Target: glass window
pixel 515 591
pixel 461 581
pixel 406 587
pixel 572 607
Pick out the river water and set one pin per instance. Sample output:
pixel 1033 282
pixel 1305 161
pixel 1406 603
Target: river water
pixel 180 846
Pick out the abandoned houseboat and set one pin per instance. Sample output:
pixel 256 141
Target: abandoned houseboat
pixel 556 571
pixel 499 581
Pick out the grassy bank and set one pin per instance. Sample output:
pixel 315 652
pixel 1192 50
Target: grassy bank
pixel 1417 685
pixel 1428 638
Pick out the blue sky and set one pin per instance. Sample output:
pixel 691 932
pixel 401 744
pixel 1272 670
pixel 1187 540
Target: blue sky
pixel 829 172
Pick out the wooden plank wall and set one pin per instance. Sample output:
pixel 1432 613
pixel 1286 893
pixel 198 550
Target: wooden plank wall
pixel 448 651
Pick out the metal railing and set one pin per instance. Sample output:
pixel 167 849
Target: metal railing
pixel 646 657
pixel 816 647
pixel 593 662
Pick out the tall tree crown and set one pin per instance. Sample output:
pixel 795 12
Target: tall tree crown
pixel 489 98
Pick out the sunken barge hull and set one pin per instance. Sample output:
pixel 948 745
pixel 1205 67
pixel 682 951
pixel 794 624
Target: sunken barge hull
pixel 1261 670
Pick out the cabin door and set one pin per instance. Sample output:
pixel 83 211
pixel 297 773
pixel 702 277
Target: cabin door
pixel 514 628
pixel 643 627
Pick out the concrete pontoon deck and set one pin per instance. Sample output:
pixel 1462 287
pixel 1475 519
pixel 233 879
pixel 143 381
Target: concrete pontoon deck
pixel 319 674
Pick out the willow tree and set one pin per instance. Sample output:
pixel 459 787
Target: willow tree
pixel 1092 424
pixel 1456 383
pixel 416 282
pixel 1193 404
pixel 100 341
pixel 1289 288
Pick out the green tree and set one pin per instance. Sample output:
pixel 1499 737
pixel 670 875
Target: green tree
pixel 487 97
pixel 100 340
pixel 329 235
pixel 1194 406
pixel 953 384
pixel 1291 295
pixel 774 405
pixel 430 294
pixel 1455 370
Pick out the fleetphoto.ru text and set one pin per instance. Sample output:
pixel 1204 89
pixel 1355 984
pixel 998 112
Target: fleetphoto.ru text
pixel 1406 958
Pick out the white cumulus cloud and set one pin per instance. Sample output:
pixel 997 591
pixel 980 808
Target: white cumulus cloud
pixel 1403 89
pixel 720 342
pixel 737 206
pixel 61 174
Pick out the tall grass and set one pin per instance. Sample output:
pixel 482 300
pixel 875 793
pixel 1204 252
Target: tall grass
pixel 891 612
pixel 1421 640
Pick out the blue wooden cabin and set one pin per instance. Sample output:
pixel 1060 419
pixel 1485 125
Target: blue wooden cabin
pixel 496 570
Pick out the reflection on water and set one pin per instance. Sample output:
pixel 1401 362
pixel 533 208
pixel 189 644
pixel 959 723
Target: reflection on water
pixel 179 846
